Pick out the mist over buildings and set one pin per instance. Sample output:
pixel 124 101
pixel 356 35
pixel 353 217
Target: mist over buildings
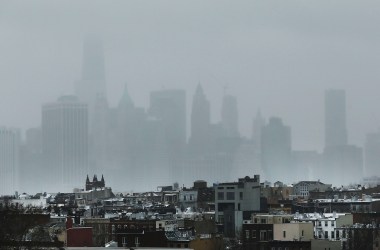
pixel 152 93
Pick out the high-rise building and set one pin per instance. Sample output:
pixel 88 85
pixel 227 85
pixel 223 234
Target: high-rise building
pixel 230 116
pixel 169 107
pixel 65 143
pixel 335 118
pixel 200 137
pixel 372 154
pixel 9 160
pixel 276 150
pixel 92 83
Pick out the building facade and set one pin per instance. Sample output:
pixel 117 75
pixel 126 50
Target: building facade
pixel 9 160
pixel 65 143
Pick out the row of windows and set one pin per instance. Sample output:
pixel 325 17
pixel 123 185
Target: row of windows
pixel 229 195
pixel 265 235
pixel 332 223
pixel 333 234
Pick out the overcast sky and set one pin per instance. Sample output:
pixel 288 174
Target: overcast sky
pixel 279 56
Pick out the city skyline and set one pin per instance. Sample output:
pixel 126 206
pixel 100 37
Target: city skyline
pixel 270 56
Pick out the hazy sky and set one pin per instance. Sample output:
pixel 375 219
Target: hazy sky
pixel 276 55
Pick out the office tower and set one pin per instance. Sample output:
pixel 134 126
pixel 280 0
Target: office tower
pixel 169 107
pixel 372 155
pixel 65 143
pixel 9 160
pixel 230 116
pixel 92 82
pixel 343 163
pixel 276 150
pixel 335 118
pixel 200 138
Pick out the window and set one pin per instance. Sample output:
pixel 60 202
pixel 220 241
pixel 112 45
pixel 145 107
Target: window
pixel 326 223
pixel 263 235
pixel 220 196
pixel 220 187
pixel 184 197
pixel 191 197
pixel 302 233
pixel 263 221
pixel 230 187
pixel 332 223
pixel 319 235
pixel 241 195
pixel 270 235
pixel 247 234
pixel 319 223
pixel 238 206
pixel 332 234
pixel 253 233
pixel 230 195
pixel 326 235
pixel 337 234
pixel 284 234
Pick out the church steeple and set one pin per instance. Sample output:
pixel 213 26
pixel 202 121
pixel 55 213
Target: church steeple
pixel 126 100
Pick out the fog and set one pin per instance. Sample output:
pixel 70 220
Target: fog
pixel 278 57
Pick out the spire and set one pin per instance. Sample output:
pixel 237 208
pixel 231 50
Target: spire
pixel 95 179
pixel 199 90
pixel 87 179
pixel 102 180
pixel 126 100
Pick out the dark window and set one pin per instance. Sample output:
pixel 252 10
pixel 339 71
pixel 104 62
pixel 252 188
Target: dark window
pixel 241 195
pixel 230 195
pixel 326 234
pixel 220 196
pixel 332 235
pixel 253 232
pixel 284 234
pixel 238 206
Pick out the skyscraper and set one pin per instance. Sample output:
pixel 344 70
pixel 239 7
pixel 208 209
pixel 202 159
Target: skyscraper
pixel 372 154
pixel 92 83
pixel 199 141
pixel 276 150
pixel 335 118
pixel 65 143
pixel 230 116
pixel 169 107
pixel 9 160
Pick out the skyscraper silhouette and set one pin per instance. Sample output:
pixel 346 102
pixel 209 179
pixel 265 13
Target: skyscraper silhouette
pixel 92 83
pixel 230 116
pixel 9 160
pixel 200 137
pixel 65 143
pixel 276 150
pixel 335 118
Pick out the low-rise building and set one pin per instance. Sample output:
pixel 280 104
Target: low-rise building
pixel 236 201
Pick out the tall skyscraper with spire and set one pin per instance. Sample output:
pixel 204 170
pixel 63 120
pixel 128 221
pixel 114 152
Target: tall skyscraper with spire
pixel 93 81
